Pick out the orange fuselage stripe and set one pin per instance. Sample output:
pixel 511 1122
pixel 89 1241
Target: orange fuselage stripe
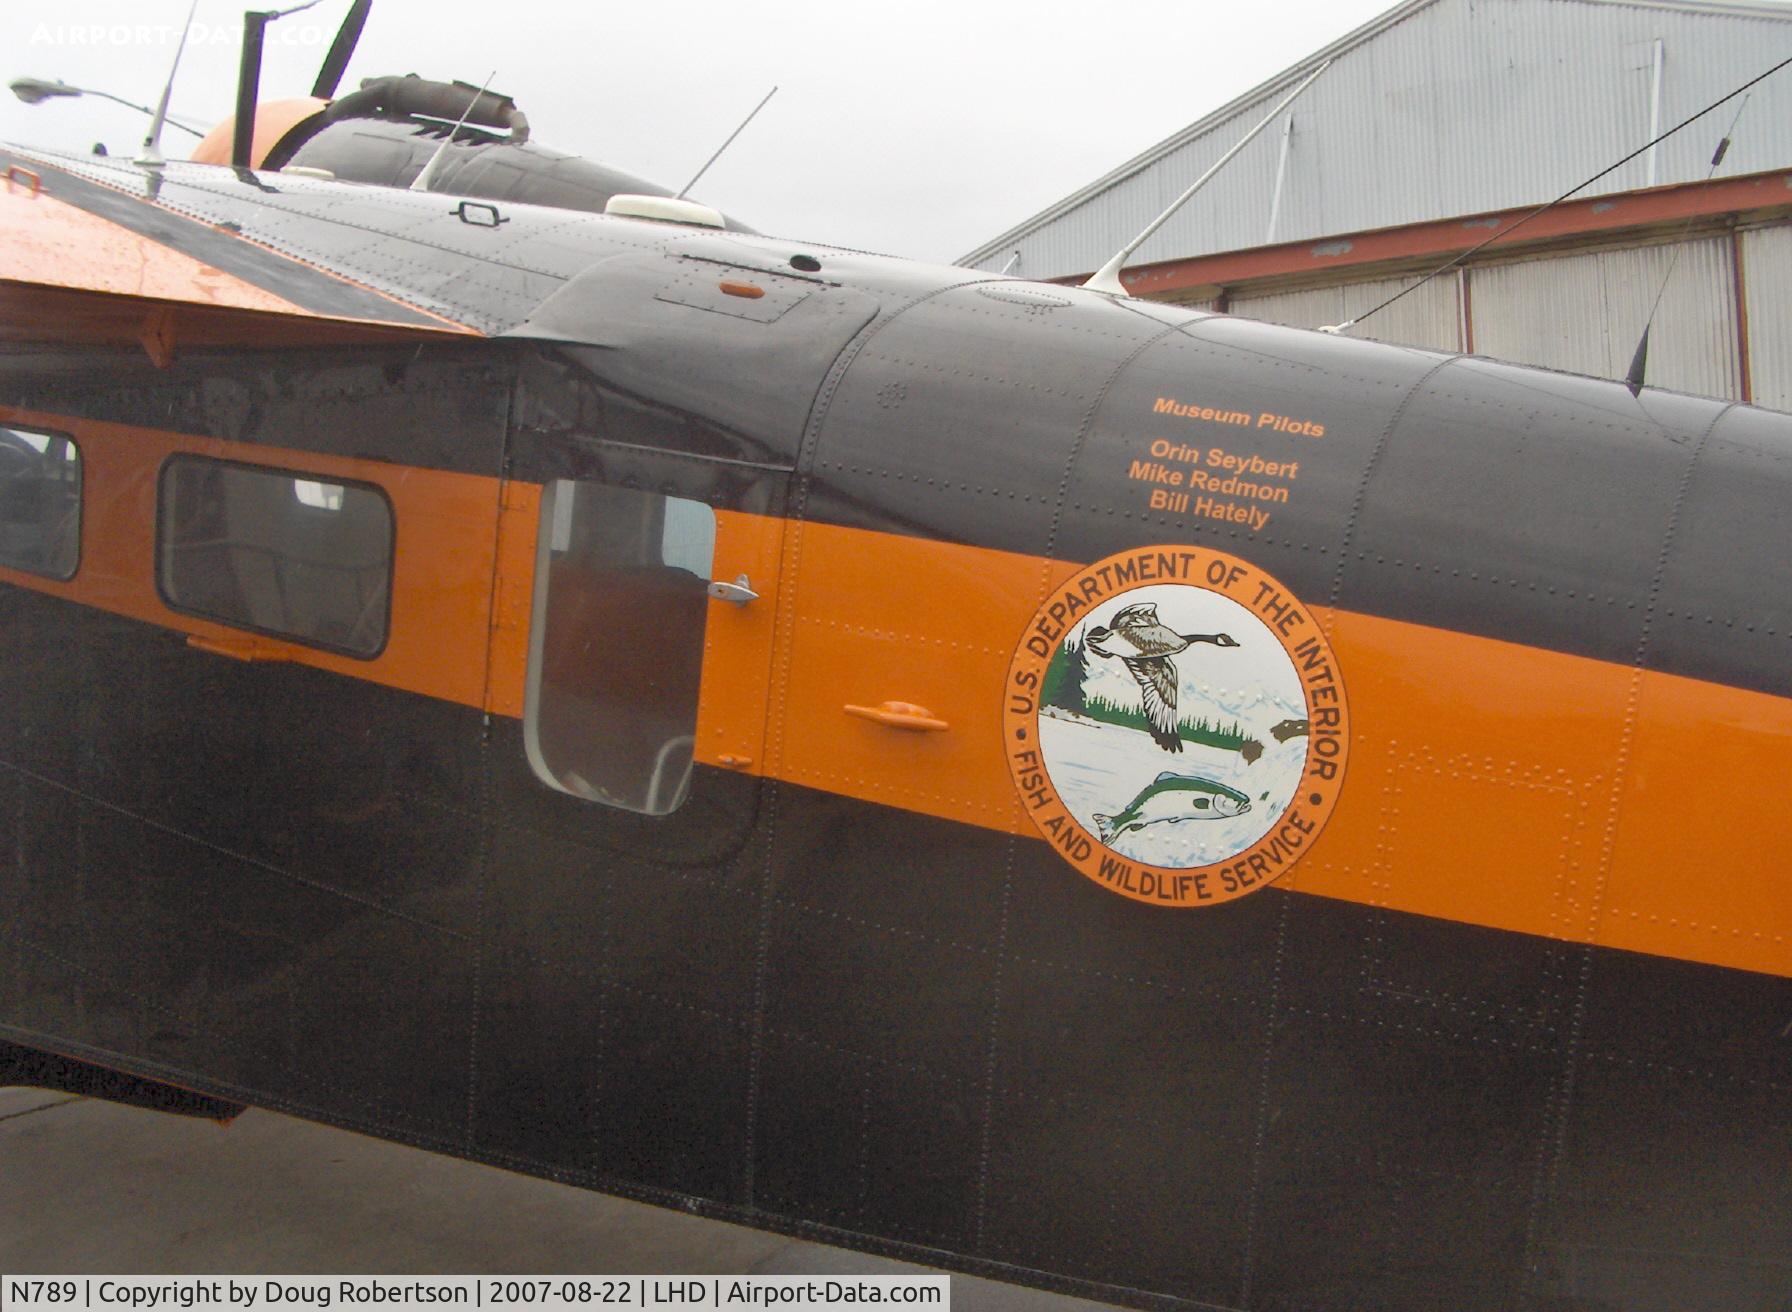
pixel 447 526
pixel 1481 778
pixel 1489 782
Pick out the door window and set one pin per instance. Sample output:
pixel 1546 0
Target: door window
pixel 616 643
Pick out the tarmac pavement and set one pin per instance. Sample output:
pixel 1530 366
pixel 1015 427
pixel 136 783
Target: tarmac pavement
pixel 91 1186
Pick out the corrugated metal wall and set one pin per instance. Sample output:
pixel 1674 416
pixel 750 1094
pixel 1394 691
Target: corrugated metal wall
pixel 1430 316
pixel 1585 312
pixel 1453 107
pixel 1767 283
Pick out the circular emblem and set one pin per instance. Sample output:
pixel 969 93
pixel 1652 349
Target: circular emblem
pixel 1176 725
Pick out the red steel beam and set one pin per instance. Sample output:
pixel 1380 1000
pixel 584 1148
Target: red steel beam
pixel 1446 237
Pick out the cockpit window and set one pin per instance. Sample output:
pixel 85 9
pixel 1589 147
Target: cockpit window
pixel 40 503
pixel 616 643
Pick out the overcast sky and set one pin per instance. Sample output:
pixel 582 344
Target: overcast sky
pixel 920 130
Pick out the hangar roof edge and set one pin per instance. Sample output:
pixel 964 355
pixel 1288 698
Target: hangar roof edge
pixel 1286 79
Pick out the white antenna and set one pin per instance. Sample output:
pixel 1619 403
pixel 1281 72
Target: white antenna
pixel 724 146
pixel 1107 278
pixel 422 181
pixel 150 157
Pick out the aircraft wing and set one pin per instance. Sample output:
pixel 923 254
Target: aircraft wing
pixel 342 251
pixel 100 250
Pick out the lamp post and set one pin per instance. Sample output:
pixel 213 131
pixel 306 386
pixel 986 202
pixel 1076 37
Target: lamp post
pixel 35 90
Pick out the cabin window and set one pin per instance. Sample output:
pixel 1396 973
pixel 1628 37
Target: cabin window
pixel 616 643
pixel 40 502
pixel 280 553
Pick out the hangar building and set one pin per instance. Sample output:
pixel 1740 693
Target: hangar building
pixel 1441 122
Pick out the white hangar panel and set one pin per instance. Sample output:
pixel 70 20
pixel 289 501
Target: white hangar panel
pixel 1430 317
pixel 1584 313
pixel 1440 108
pixel 1767 271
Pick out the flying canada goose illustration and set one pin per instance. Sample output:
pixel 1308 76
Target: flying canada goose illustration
pixel 1139 638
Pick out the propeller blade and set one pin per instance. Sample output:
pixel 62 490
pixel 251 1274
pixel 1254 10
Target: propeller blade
pixel 340 49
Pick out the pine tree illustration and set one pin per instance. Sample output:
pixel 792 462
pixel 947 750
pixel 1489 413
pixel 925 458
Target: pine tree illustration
pixel 1064 675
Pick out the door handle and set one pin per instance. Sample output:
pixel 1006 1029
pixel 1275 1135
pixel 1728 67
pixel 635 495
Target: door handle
pixel 901 715
pixel 739 592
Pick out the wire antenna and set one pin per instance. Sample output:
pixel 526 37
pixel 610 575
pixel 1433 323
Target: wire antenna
pixel 1107 277
pixel 1509 229
pixel 1639 363
pixel 724 146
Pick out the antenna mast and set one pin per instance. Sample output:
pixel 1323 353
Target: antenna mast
pixel 1639 363
pixel 150 156
pixel 1107 278
pixel 248 81
pixel 428 174
pixel 724 146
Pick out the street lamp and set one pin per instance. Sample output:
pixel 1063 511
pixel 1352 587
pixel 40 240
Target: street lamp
pixel 35 90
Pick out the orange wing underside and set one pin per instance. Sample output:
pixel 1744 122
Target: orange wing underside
pixel 68 276
pixel 48 243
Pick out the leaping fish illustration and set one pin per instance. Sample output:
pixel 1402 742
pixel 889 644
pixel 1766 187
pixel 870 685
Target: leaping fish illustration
pixel 1146 644
pixel 1171 798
